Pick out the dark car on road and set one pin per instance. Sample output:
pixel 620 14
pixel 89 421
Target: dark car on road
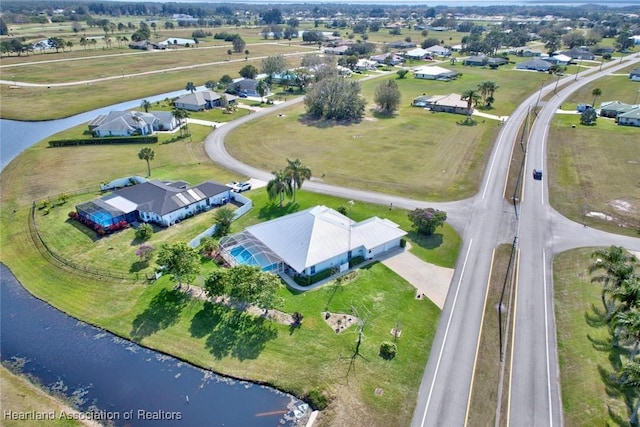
pixel 537 174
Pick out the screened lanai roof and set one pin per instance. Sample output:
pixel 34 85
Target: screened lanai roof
pixel 246 249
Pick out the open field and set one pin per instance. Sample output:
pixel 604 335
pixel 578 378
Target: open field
pixel 584 346
pixel 19 396
pixel 414 153
pixel 591 170
pixel 614 88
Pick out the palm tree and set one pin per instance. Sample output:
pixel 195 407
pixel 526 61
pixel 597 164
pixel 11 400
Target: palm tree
pixel 616 265
pixel 246 54
pixel 229 52
pixel 262 88
pixel 630 378
pixel 146 105
pixel 279 186
pixel 296 172
pixel 147 154
pixel 596 92
pixel 629 322
pixel 471 96
pixel 190 87
pixel 180 115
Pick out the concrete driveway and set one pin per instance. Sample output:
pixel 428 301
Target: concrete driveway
pixel 429 280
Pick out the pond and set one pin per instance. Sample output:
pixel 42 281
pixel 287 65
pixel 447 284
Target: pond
pixel 113 380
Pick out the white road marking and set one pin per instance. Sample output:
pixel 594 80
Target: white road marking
pixel 513 339
pixel 446 332
pixel 546 334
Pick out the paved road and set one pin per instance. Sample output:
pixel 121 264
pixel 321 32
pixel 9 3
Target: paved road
pixel 485 221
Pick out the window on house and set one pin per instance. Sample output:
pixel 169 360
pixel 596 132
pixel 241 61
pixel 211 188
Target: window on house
pixel 313 269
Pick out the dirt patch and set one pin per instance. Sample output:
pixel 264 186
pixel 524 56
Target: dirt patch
pixel 339 322
pixel 621 205
pixel 599 215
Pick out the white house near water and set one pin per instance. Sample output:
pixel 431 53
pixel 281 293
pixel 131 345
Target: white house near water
pixel 310 241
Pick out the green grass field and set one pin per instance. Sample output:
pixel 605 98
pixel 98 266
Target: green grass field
pixel 590 169
pixel 584 347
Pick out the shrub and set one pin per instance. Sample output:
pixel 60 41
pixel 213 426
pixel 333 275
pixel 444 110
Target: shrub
pixel 388 350
pixel 317 400
pixel 144 232
pixel 73 215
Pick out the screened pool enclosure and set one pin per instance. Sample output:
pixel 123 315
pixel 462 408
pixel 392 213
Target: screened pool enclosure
pixel 247 250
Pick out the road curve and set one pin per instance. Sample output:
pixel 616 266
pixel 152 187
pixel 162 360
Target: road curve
pixel 484 221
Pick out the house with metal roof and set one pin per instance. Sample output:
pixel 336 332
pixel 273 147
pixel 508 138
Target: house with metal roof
pixel 161 202
pixel 310 241
pixel 438 50
pixel 128 123
pixel 611 109
pixel 482 61
pixel 246 87
pixel 202 100
pixel 535 64
pixel 630 118
pixel 434 73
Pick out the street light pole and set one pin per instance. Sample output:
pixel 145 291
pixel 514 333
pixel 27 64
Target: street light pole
pixel 578 70
pixel 556 86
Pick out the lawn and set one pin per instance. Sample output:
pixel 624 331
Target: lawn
pixel 414 153
pixel 257 350
pixel 590 169
pixel 584 346
pixel 614 88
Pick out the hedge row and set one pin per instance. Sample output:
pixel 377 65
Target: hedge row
pixel 101 141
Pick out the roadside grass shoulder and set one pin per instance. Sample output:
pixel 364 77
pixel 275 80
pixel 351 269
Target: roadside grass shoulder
pixel 584 346
pixel 589 170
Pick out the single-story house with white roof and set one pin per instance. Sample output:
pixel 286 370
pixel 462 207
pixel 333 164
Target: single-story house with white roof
pixel 392 58
pixel 452 103
pixel 434 72
pixel 365 65
pixel 162 202
pixel 338 50
pixel 559 59
pixel 202 100
pixel 417 53
pixel 177 41
pixel 310 241
pixel 128 123
pixel 438 50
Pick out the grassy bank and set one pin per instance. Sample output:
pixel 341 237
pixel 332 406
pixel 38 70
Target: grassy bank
pixel 20 397
pixel 584 346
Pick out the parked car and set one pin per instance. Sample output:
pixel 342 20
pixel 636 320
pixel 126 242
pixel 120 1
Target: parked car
pixel 583 107
pixel 242 186
pixel 233 185
pixel 537 174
